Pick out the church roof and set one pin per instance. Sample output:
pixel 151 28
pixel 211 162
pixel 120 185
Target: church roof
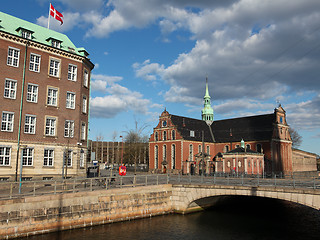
pixel 252 128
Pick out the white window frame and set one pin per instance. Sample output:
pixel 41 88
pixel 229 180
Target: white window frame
pixel 191 133
pixel 84 104
pixel 81 160
pixel 27 156
pixel 156 156
pixel 11 90
pixel 29 125
pixel 50 126
pixel 52 99
pixel 173 156
pixel 8 125
pixel 164 153
pixel 71 100
pixel 34 63
pixel 54 67
pixel 69 128
pixel 5 155
pixel 83 133
pixel 26 34
pixel 55 43
pixel 48 157
pixel 190 152
pixel 85 78
pixel 72 72
pixel 32 93
pixel 13 57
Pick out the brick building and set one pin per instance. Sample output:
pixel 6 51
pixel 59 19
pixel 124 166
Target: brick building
pixel 44 86
pixel 177 142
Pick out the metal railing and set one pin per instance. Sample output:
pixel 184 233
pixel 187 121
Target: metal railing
pixel 9 190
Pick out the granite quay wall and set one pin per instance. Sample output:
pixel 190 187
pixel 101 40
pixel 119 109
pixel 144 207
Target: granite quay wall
pixel 41 214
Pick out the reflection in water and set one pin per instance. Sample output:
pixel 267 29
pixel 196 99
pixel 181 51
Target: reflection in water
pixel 231 218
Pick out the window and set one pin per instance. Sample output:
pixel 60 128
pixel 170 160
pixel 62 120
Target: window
pixel 237 146
pixel 281 119
pixel 173 135
pixel 32 93
pixel 68 128
pixel 191 133
pixel 190 152
pixel 52 99
pixel 7 122
pixel 173 156
pixel 68 155
pixel 50 126
pixel 83 131
pixel 13 57
pixel 228 164
pixel 55 43
pixel 85 78
pixel 156 136
pixel 26 34
pixel 71 99
pixel 199 149
pixel 226 148
pixel 164 135
pixel 34 64
pixel 164 153
pixel 84 104
pixel 54 67
pixel 259 148
pixel 48 157
pixel 239 164
pixel 208 150
pixel 27 156
pixel 156 156
pixel 81 158
pixel 248 146
pixel 30 124
pixel 5 156
pixel 72 72
pixel 10 88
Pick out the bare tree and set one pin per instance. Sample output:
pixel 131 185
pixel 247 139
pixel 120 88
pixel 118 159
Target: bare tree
pixel 135 141
pixel 296 138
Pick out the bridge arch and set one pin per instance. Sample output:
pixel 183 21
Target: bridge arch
pixel 188 198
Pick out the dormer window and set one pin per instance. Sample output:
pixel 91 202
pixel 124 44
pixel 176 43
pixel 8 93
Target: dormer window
pixel 55 43
pixel 191 133
pixel 25 33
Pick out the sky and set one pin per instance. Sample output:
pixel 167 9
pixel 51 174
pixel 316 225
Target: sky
pixel 152 55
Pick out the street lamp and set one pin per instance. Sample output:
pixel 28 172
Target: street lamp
pixel 22 147
pixel 121 149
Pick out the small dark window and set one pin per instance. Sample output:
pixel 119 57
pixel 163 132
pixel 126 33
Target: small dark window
pixel 173 135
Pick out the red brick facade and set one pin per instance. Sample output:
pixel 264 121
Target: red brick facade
pixel 172 149
pixel 48 144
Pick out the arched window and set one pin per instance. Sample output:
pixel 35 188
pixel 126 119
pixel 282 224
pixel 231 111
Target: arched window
pixel 226 148
pixel 173 156
pixel 156 136
pixel 190 152
pixel 248 146
pixel 208 149
pixel 156 157
pixel 259 148
pixel 173 133
pixel 199 148
pixel 164 136
pixel 164 156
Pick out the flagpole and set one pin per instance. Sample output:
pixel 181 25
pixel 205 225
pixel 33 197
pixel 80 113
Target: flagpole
pixel 49 16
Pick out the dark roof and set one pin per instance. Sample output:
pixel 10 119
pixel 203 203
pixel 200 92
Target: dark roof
pixel 241 150
pixel 252 128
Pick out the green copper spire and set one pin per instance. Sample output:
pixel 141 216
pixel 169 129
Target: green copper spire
pixel 207 111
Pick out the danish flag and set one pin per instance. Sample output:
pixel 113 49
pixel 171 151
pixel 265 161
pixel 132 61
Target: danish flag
pixel 55 14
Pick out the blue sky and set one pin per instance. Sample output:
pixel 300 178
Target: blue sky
pixel 155 54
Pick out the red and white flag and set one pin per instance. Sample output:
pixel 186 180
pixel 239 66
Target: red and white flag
pixel 55 14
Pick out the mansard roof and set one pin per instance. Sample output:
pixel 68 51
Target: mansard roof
pixel 252 128
pixel 12 25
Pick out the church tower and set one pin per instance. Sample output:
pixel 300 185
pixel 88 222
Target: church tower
pixel 207 111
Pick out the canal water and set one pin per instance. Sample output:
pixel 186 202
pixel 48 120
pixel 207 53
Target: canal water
pixel 241 218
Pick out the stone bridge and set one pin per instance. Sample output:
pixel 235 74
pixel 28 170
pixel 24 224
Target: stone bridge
pixel 191 197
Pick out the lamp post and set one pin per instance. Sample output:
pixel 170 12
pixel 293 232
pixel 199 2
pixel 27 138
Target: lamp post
pixel 22 147
pixel 121 148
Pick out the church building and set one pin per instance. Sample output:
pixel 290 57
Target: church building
pixel 255 144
